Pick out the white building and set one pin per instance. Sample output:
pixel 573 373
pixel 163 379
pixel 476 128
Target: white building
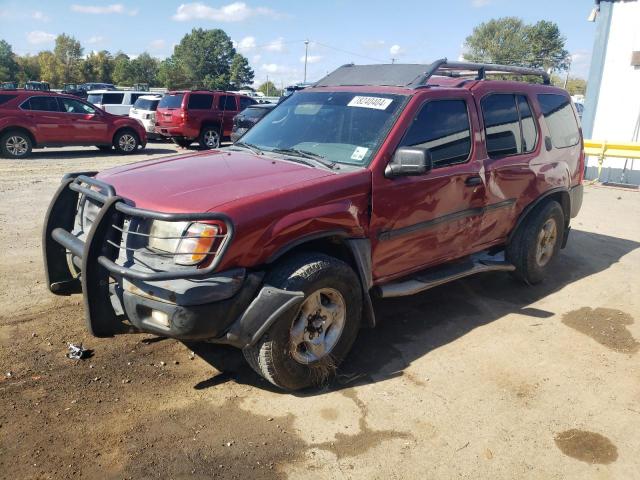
pixel 612 104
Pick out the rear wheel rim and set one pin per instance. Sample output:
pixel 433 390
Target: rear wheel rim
pixel 17 146
pixel 318 326
pixel 127 142
pixel 211 138
pixel 546 243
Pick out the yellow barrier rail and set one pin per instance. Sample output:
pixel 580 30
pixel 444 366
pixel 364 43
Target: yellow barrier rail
pixel 604 149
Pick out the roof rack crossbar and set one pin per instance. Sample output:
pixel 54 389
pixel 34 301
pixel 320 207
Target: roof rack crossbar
pixel 445 67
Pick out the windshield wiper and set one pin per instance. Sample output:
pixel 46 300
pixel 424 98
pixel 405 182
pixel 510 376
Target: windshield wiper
pixel 250 146
pixel 305 154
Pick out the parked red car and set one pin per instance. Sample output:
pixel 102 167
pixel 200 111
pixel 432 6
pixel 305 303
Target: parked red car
pixel 32 119
pixel 382 180
pixel 202 115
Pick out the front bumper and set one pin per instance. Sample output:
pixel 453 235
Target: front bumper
pixel 186 303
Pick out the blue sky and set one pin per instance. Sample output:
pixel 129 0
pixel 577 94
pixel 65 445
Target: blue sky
pixel 271 33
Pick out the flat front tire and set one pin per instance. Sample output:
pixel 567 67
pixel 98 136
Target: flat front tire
pixel 537 242
pixel 15 145
pixel 304 347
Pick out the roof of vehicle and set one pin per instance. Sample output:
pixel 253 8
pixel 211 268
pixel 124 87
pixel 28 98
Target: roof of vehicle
pixel 151 96
pixel 176 92
pixel 414 76
pixel 102 90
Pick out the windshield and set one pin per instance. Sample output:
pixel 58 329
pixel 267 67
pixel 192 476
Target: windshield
pixel 171 101
pixel 343 127
pixel 146 104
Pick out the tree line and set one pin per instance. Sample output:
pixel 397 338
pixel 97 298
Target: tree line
pixel 202 59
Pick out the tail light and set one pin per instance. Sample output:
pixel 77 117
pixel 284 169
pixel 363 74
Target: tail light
pixel 183 116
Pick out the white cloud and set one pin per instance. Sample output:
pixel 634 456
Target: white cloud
pixel 276 46
pixel 396 50
pixel 37 37
pixel 95 39
pixel 233 12
pixel 480 3
pixel 374 44
pixel 157 44
pixel 39 16
pixel 246 44
pixel 256 58
pixel 311 58
pixel 101 10
pixel 271 67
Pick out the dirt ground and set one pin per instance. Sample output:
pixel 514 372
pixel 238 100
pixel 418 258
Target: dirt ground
pixel 482 378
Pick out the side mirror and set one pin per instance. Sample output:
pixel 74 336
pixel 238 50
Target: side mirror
pixel 409 161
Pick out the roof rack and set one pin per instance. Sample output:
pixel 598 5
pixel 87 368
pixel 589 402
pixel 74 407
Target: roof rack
pixel 417 76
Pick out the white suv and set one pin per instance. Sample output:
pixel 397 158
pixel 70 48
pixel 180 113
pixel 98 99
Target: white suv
pixel 118 102
pixel 144 110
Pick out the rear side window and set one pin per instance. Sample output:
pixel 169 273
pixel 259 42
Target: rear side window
pixel 509 125
pixel 112 98
pixel 43 104
pixel 200 101
pixel 227 102
pixel 443 127
pixel 171 101
pixel 6 98
pixel 560 120
pixel 246 102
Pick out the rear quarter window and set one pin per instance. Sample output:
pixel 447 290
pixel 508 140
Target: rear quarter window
pixel 200 101
pixel 560 120
pixel 6 98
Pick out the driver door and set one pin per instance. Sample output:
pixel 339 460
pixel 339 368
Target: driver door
pixel 419 221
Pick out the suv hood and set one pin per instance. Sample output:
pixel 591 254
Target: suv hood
pixel 205 181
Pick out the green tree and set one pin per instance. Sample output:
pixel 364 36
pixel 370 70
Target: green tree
pixel 122 69
pixel 575 85
pixel 68 57
pixel 171 75
pixel 98 67
pixel 510 41
pixel 269 89
pixel 144 69
pixel 205 57
pixel 49 71
pixel 8 65
pixel 28 68
pixel 240 73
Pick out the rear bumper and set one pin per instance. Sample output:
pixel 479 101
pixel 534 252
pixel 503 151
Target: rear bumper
pixel 232 307
pixel 181 131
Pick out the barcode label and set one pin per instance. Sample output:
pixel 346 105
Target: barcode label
pixel 377 103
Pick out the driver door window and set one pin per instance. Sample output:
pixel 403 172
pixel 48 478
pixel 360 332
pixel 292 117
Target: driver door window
pixel 68 105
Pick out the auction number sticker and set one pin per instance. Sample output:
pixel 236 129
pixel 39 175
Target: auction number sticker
pixel 377 103
pixel 359 153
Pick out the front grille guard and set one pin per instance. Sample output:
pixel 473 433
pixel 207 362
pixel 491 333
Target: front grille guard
pixel 104 241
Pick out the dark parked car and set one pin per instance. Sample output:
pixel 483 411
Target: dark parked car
pixel 75 89
pixel 248 118
pixel 30 119
pixel 202 115
pixel 379 181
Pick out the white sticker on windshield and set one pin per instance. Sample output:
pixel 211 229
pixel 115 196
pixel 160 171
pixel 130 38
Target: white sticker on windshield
pixel 359 153
pixel 377 103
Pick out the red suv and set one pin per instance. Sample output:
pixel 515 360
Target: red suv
pixel 379 181
pixel 202 115
pixel 30 119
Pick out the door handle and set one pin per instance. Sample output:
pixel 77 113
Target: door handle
pixel 473 181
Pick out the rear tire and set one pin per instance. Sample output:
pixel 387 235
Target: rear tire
pixel 305 348
pixel 209 137
pixel 537 242
pixel 16 145
pixel 126 142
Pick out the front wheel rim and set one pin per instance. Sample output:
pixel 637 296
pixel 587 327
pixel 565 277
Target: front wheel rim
pixel 546 244
pixel 127 142
pixel 211 138
pixel 318 326
pixel 17 146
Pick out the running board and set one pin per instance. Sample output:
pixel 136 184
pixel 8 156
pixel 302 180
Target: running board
pixel 446 273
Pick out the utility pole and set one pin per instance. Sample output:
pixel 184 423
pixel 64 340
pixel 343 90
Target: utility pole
pixel 306 55
pixel 267 84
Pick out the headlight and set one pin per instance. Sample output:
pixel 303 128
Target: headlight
pixel 190 242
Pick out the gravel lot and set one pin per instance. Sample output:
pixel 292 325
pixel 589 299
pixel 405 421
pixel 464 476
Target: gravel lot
pixel 481 378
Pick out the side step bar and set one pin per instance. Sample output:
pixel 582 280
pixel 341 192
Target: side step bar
pixel 449 272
